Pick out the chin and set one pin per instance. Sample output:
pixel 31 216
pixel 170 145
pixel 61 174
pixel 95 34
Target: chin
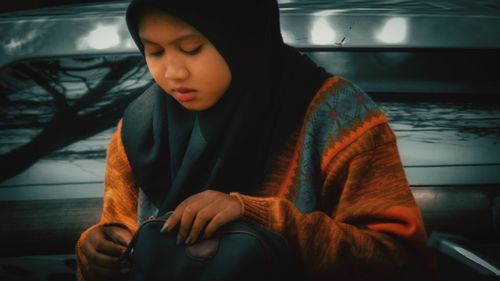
pixel 196 106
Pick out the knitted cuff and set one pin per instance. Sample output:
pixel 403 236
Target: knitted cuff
pixel 254 209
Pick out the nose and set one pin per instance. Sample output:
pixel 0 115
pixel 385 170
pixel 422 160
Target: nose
pixel 175 69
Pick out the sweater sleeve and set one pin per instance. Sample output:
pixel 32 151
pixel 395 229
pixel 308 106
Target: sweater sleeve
pixel 120 195
pixel 369 226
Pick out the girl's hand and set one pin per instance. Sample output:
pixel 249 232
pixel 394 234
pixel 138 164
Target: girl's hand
pixel 102 249
pixel 207 210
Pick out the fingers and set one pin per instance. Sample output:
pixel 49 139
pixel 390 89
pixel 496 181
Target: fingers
pixel 101 251
pixel 102 260
pixel 204 216
pixel 208 208
pixel 222 218
pixel 178 213
pixel 109 248
pixel 103 256
pixel 192 210
pixel 117 235
pixel 187 218
pixel 175 216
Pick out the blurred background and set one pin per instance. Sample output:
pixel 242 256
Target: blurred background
pixel 69 68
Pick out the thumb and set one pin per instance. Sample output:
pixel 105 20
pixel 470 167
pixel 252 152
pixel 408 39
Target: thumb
pixel 118 235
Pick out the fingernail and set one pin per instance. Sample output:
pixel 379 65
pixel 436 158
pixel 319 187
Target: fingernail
pixel 188 241
pixel 164 228
pixel 179 239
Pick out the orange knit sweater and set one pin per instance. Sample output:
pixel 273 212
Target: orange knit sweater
pixel 337 193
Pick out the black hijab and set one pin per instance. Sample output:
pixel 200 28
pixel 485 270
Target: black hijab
pixel 175 153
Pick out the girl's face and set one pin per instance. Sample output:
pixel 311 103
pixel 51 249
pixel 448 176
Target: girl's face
pixel 182 61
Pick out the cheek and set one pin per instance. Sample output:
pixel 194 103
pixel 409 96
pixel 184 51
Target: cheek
pixel 156 71
pixel 158 74
pixel 224 75
pixel 216 72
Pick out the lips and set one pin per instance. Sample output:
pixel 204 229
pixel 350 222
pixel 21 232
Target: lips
pixel 183 90
pixel 184 94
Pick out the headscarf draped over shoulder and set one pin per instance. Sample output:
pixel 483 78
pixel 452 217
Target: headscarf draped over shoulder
pixel 175 153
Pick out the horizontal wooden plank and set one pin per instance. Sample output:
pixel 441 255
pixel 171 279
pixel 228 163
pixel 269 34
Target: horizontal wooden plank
pixel 38 227
pixel 45 227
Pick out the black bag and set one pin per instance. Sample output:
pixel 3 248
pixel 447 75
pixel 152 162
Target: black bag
pixel 238 251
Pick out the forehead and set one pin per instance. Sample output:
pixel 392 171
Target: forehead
pixel 154 22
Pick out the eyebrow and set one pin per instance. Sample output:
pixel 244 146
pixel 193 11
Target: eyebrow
pixel 178 39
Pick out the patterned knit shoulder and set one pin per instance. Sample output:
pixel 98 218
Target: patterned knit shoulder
pixel 338 114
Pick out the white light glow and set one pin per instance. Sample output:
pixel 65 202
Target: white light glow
pixel 329 12
pixel 468 254
pixel 394 31
pixel 102 37
pixel 13 44
pixel 17 43
pixel 287 37
pixel 322 33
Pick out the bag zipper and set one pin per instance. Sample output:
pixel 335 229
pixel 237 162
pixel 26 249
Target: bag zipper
pixel 130 249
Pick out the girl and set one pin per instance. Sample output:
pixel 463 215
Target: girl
pixel 240 126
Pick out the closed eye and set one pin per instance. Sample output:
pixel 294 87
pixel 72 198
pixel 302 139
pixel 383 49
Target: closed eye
pixel 194 51
pixel 155 54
